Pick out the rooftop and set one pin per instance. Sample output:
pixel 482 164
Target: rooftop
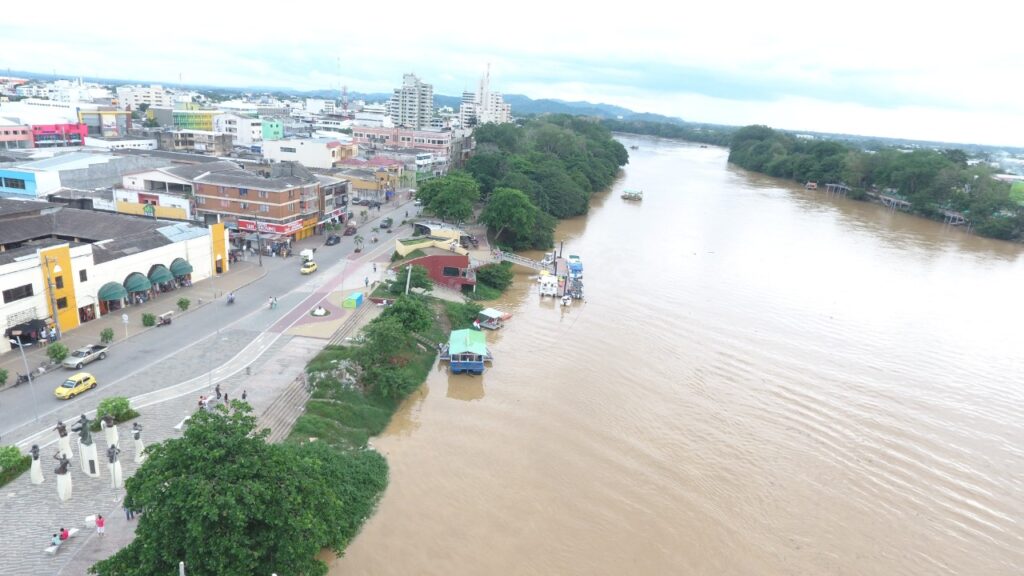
pixel 283 175
pixel 72 161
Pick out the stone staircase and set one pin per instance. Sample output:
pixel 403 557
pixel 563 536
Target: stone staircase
pixel 285 410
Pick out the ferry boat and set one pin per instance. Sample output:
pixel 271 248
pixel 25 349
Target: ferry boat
pixel 466 351
pixel 633 195
pixel 575 266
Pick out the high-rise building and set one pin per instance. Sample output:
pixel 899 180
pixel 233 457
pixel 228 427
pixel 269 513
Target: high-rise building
pixel 412 105
pixel 484 106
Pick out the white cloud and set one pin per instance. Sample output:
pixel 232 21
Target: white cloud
pixel 936 71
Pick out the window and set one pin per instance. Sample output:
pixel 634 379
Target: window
pixel 264 194
pixel 200 200
pixel 450 272
pixel 245 205
pixel 83 276
pixel 59 281
pixel 287 149
pixel 243 191
pixel 17 293
pixel 62 303
pixel 264 208
pixel 13 183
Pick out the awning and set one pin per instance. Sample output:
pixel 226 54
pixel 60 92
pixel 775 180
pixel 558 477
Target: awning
pixel 112 291
pixel 180 267
pixel 137 283
pixel 160 274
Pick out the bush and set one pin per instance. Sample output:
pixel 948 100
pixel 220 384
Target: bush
pixel 3 376
pixel 183 303
pixel 461 315
pixel 12 463
pixel 57 352
pixel 395 256
pixel 107 335
pixel 482 292
pixel 148 319
pixel 116 406
pixel 496 275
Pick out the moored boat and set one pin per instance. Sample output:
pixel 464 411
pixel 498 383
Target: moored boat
pixel 633 195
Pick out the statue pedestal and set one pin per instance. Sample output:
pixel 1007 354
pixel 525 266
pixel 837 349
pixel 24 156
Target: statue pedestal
pixel 110 434
pixel 140 455
pixel 64 445
pixel 89 462
pixel 37 472
pixel 115 475
pixel 64 487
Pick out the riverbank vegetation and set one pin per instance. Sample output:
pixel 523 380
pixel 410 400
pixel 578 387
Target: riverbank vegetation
pixel 528 176
pixel 491 281
pixel 933 182
pixel 702 133
pixel 12 463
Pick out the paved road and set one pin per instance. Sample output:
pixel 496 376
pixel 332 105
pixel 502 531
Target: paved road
pixel 192 331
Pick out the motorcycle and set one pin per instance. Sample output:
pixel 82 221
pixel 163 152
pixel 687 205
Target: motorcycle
pixel 231 298
pixel 21 378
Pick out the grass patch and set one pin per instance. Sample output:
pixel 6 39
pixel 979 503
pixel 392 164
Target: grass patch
pixel 461 315
pixel 17 469
pixel 417 253
pixel 328 358
pixel 482 292
pixel 413 241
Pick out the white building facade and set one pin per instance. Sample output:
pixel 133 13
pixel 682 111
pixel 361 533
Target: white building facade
pixel 412 105
pixel 244 130
pixel 153 95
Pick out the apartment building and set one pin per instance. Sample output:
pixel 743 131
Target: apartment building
pixel 412 105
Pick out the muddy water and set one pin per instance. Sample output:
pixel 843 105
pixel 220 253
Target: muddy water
pixel 763 381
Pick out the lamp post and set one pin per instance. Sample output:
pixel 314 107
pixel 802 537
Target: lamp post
pixel 53 297
pixel 259 243
pixel 31 382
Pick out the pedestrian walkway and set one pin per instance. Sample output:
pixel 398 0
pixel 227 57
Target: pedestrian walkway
pixel 200 294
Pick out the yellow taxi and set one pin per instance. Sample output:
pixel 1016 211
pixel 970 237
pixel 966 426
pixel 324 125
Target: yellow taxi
pixel 308 267
pixel 75 385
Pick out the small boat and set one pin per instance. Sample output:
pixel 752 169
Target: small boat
pixel 634 147
pixel 575 266
pixel 636 195
pixel 491 319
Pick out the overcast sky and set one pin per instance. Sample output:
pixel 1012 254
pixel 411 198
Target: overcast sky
pixel 923 71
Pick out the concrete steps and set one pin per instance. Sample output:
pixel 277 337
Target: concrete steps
pixel 281 415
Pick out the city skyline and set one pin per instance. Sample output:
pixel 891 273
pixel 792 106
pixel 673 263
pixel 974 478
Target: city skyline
pixel 938 77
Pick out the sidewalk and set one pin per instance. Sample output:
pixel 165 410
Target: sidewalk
pixel 201 294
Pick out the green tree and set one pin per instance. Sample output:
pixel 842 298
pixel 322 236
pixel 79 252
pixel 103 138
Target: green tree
pixel 183 304
pixel 227 503
pixel 57 352
pixel 420 279
pixel 510 211
pixel 107 335
pixel 411 311
pixel 383 341
pixel 148 319
pixel 497 276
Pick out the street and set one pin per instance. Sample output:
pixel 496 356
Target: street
pixel 196 330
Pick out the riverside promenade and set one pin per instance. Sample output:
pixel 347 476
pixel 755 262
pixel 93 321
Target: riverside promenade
pixel 266 363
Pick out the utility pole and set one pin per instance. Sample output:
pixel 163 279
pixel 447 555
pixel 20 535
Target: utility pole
pixel 408 277
pixel 259 243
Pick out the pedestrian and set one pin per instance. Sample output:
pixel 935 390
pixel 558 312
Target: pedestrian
pixel 217 390
pixel 374 266
pixel 366 282
pixel 225 398
pixel 64 534
pixel 244 394
pixel 128 512
pixel 55 540
pixel 100 524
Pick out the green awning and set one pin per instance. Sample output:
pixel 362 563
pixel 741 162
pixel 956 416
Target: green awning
pixel 180 268
pixel 137 283
pixel 471 341
pixel 112 291
pixel 160 274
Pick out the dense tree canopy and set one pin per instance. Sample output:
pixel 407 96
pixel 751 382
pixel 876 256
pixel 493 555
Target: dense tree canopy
pixel 717 135
pixel 420 279
pixel 512 217
pixel 450 197
pixel 227 503
pixel 932 181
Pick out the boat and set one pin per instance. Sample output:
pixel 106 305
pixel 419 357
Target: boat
pixel 491 319
pixel 633 195
pixel 466 351
pixel 548 285
pixel 575 266
pixel 634 147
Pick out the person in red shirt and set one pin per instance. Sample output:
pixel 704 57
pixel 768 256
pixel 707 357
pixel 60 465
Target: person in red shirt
pixel 100 524
pixel 64 534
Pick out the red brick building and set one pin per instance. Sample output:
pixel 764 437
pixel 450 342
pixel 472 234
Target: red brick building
pixel 446 268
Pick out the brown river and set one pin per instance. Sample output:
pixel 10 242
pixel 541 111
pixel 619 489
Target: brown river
pixel 763 381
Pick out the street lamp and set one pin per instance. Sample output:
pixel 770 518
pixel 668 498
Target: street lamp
pixel 31 382
pixel 259 243
pixel 53 297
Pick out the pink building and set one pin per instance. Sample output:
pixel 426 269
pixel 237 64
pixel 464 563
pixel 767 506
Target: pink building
pixel 14 135
pixel 439 143
pixel 51 135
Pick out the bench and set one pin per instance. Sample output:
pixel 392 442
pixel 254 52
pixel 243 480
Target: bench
pixel 52 549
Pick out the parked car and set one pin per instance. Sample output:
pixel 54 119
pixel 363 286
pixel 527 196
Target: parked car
pixel 350 230
pixel 308 268
pixel 418 202
pixel 84 355
pixel 386 223
pixel 75 385
pixel 356 200
pixel 333 239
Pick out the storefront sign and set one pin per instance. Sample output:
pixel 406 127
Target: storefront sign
pixel 270 227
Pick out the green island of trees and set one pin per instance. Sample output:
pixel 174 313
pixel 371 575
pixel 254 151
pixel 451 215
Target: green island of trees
pixel 932 181
pixel 528 176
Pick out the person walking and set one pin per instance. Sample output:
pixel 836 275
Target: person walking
pixel 217 391
pixel 225 398
pixel 374 266
pixel 366 282
pixel 244 395
pixel 101 524
pixel 128 512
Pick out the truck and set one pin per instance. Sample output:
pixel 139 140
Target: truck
pixel 84 355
